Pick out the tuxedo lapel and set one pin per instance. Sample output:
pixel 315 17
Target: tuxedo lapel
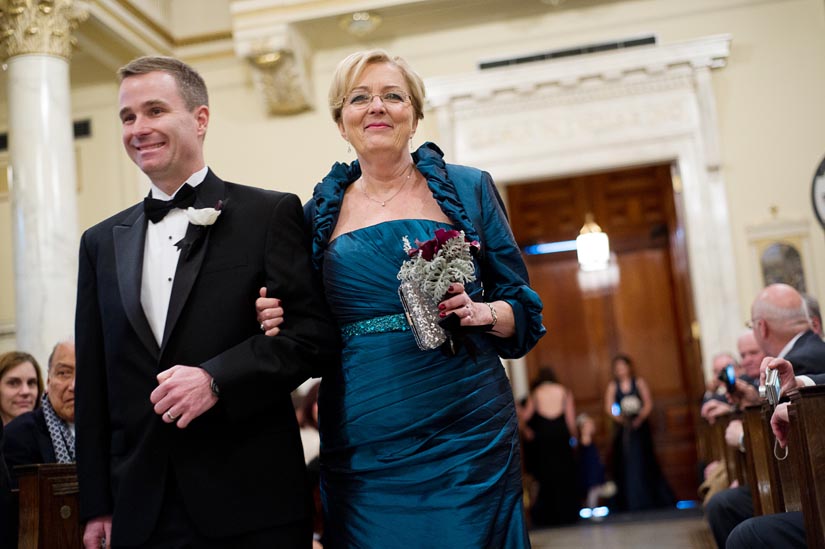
pixel 210 192
pixel 129 238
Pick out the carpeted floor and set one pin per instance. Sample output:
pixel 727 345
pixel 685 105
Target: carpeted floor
pixel 663 528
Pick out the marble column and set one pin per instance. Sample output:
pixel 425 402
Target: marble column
pixel 37 42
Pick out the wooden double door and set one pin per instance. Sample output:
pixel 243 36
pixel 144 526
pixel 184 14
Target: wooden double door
pixel 640 306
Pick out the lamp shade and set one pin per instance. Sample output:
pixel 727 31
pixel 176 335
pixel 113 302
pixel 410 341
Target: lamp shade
pixel 592 246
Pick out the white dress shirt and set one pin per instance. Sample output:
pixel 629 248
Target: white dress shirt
pixel 160 258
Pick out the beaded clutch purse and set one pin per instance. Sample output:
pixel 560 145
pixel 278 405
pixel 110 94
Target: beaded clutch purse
pixel 427 275
pixel 422 315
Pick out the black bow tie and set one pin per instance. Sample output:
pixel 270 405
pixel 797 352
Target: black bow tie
pixel 156 209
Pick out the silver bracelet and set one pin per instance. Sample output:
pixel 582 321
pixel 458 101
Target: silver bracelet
pixel 493 314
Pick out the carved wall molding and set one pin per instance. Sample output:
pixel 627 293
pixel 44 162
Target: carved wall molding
pixel 283 83
pixel 40 26
pixel 279 57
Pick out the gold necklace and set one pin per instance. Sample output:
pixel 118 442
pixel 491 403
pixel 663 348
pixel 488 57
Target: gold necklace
pixel 384 202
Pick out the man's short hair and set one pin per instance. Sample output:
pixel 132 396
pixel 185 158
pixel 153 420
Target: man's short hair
pixel 54 350
pixel 190 83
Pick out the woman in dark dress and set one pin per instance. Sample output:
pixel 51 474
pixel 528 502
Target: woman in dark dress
pixel 551 423
pixel 636 471
pixel 419 447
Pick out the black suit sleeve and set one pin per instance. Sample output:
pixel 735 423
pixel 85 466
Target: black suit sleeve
pixel 91 408
pixel 308 343
pixel 818 379
pixel 5 498
pixel 24 443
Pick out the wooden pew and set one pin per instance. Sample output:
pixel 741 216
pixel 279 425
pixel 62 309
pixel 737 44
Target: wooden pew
pixel 718 449
pixel 807 444
pixel 776 487
pixel 734 459
pixel 761 464
pixel 48 502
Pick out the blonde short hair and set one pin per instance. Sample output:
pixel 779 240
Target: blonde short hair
pixel 353 65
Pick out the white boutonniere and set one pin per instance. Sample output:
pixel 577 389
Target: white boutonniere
pixel 201 219
pixel 204 216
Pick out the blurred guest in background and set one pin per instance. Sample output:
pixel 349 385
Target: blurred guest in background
pixel 46 435
pixel 551 419
pixel 639 479
pixel 592 484
pixel 21 384
pixel 814 314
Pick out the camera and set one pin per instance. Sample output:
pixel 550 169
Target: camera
pixel 728 377
pixel 771 388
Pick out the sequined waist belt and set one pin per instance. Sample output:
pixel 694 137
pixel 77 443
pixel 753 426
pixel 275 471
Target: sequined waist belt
pixel 377 325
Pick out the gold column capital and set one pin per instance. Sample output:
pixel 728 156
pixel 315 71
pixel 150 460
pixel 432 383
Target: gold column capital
pixel 39 26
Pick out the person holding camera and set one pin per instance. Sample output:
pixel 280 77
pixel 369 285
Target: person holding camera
pixel 780 318
pixel 724 369
pixel 780 529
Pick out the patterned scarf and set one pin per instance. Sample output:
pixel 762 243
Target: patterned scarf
pixel 59 432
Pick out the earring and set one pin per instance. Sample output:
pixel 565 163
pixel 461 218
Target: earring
pixel 411 147
pixel 349 148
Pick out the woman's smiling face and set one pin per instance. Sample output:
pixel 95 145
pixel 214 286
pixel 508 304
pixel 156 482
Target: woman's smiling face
pixel 379 126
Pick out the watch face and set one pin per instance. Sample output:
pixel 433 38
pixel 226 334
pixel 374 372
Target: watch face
pixel 818 193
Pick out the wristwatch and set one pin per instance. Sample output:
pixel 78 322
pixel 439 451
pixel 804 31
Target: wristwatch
pixel 215 390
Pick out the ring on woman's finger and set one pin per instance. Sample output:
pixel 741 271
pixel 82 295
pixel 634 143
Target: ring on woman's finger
pixel 263 328
pixel 170 416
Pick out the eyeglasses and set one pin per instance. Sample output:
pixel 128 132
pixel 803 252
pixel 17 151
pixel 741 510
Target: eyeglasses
pixel 361 100
pixel 752 322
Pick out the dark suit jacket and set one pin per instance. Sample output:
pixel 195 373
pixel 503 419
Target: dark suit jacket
pixel 8 528
pixel 807 355
pixel 28 441
pixel 239 467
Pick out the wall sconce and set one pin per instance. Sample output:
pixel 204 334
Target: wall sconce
pixel 360 23
pixel 279 74
pixel 592 246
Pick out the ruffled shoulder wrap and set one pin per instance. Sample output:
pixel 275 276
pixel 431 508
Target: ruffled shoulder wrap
pixel 325 205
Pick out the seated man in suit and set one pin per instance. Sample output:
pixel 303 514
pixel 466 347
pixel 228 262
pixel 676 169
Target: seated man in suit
pixel 781 529
pixel 781 325
pixel 46 435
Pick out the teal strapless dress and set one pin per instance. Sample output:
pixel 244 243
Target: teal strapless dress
pixel 418 449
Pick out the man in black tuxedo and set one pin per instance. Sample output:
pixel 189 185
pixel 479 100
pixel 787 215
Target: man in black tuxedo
pixel 186 434
pixel 46 435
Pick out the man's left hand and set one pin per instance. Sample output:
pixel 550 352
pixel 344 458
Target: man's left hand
pixel 714 408
pixel 781 424
pixel 184 394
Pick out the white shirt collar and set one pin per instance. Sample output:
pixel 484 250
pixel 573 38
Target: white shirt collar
pixel 194 180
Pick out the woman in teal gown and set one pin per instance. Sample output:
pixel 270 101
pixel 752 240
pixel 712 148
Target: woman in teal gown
pixel 418 448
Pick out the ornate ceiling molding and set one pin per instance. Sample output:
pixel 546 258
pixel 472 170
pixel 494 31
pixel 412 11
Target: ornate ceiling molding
pixel 569 73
